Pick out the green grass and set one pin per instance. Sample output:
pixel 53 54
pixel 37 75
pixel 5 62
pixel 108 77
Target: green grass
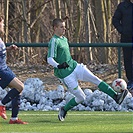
pixel 76 122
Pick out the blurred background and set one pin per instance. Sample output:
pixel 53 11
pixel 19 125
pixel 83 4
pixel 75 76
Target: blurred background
pixel 87 21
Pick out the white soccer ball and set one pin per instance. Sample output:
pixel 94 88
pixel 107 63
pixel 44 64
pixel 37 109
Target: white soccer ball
pixel 119 85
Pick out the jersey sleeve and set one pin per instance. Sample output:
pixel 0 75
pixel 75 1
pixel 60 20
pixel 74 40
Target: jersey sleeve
pixel 52 62
pixel 52 48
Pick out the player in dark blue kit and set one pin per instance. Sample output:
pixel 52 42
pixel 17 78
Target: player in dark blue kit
pixel 8 78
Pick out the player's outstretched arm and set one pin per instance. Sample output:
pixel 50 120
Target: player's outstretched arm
pixel 52 62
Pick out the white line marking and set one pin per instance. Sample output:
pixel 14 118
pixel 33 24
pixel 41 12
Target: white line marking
pixel 81 114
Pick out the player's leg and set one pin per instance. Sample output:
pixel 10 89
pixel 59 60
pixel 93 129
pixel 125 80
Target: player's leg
pixel 86 75
pixel 15 107
pixel 72 85
pixel 17 86
pixel 6 76
pixel 15 83
pixel 79 97
pixel 15 110
pixel 8 79
pixel 15 96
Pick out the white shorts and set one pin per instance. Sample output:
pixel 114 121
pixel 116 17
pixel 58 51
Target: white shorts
pixel 81 73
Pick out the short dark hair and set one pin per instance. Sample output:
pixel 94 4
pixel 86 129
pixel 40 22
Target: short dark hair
pixel 56 21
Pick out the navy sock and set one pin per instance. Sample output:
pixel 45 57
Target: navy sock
pixel 11 94
pixel 15 106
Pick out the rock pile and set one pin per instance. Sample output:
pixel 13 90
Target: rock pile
pixel 35 97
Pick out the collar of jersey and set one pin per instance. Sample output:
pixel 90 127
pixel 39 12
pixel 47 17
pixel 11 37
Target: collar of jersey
pixel 58 36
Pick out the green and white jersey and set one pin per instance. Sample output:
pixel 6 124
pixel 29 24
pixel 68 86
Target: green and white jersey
pixel 58 49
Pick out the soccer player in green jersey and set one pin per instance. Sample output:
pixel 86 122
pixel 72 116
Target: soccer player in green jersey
pixel 69 71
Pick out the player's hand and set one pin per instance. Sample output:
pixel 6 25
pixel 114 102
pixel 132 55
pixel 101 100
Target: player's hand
pixel 12 47
pixel 63 66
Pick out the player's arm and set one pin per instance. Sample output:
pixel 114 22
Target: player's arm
pixel 52 52
pixel 52 62
pixel 12 47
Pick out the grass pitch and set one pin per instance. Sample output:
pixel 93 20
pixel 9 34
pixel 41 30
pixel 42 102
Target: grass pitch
pixel 75 122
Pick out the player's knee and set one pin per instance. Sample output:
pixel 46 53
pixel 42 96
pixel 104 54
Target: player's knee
pixel 81 98
pixel 96 80
pixel 20 87
pixel 17 84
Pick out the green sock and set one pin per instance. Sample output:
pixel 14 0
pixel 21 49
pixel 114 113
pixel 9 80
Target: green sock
pixel 70 104
pixel 104 87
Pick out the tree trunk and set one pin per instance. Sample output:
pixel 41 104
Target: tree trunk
pixel 87 29
pixel 25 50
pixel 6 19
pixel 101 27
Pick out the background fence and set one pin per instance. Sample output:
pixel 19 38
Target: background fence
pixel 113 52
pixel 87 21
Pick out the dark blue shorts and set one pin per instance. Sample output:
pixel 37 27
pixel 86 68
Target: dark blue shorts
pixel 6 76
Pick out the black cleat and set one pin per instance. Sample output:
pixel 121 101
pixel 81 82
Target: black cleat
pixel 120 97
pixel 62 114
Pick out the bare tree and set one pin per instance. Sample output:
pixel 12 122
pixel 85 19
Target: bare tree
pixel 89 21
pixel 6 7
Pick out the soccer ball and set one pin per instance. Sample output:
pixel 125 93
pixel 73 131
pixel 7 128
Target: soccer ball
pixel 119 85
